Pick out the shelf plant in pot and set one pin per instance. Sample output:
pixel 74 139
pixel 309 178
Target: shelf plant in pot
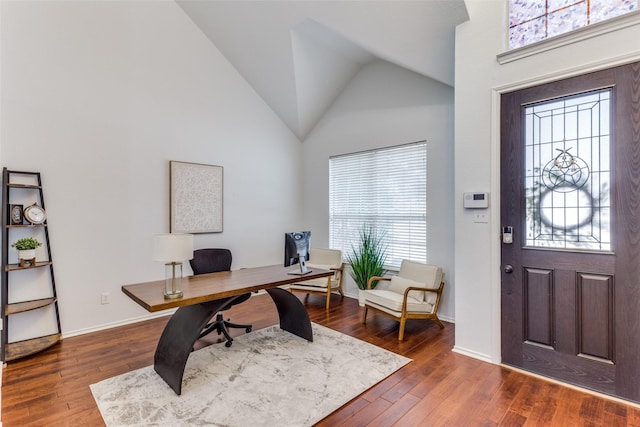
pixel 26 250
pixel 367 260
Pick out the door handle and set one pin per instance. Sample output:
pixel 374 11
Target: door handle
pixel 508 269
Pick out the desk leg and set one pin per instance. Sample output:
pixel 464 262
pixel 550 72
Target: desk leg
pixel 293 316
pixel 178 337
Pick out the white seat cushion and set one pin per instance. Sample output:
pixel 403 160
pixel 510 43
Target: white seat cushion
pixel 430 275
pixel 315 283
pixel 393 301
pixel 400 284
pixel 325 257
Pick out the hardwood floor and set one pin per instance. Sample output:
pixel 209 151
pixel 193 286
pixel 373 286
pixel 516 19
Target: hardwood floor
pixel 438 388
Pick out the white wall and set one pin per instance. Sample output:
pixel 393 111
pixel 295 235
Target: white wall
pixel 98 97
pixel 479 80
pixel 387 105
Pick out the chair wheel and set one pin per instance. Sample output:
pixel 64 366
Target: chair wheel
pixel 228 344
pixel 248 330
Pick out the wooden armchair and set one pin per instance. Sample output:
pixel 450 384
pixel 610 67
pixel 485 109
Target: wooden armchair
pixel 413 294
pixel 326 259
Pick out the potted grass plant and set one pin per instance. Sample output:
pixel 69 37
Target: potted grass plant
pixel 26 250
pixel 367 260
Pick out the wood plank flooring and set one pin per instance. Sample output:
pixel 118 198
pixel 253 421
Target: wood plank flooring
pixel 438 388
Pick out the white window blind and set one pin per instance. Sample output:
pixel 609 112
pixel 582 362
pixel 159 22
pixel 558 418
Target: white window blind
pixel 386 189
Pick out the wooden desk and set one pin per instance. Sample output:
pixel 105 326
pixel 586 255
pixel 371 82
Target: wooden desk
pixel 205 295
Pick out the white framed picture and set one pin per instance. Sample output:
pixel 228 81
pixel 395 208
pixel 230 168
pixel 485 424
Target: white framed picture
pixel 195 197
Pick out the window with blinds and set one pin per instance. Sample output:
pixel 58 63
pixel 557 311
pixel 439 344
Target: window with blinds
pixel 386 189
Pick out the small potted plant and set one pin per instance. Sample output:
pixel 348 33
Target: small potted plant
pixel 367 260
pixel 26 250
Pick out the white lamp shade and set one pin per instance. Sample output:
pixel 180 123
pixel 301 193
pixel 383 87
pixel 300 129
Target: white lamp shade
pixel 172 247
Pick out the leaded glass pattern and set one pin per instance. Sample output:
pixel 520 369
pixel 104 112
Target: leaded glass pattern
pixel 567 172
pixel 534 20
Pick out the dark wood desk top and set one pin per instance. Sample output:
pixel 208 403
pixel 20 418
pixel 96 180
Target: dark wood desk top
pixel 208 287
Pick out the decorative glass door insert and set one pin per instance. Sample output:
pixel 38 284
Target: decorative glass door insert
pixel 567 182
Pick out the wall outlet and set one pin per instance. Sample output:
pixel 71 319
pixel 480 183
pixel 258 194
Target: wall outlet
pixel 105 298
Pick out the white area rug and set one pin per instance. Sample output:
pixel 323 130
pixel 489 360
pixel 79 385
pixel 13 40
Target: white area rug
pixel 267 378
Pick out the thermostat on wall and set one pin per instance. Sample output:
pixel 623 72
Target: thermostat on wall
pixel 476 200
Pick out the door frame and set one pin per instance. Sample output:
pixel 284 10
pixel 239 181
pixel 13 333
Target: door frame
pixel 495 221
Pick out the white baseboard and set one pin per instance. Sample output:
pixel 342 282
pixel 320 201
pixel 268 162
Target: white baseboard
pixel 118 323
pixel 473 354
pixel 128 321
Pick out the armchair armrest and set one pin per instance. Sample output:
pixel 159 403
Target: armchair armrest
pixel 338 268
pixel 376 278
pixel 437 291
pixel 337 273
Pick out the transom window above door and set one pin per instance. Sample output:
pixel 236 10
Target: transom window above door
pixel 534 20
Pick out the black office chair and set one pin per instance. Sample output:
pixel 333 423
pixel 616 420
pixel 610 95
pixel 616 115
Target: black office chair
pixel 209 261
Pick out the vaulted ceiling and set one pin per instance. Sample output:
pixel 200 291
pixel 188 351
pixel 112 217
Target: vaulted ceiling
pixel 300 55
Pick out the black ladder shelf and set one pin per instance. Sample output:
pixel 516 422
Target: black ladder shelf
pixel 32 191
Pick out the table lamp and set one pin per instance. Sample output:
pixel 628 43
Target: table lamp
pixel 173 249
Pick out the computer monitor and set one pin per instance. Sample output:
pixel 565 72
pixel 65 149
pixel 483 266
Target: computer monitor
pixel 296 244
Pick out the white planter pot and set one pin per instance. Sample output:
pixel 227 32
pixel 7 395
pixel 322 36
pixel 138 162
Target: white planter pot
pixel 27 255
pixel 361 297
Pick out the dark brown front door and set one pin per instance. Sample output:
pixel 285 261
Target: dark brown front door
pixel 570 190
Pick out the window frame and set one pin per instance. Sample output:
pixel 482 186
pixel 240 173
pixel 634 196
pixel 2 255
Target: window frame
pixel 571 37
pixel 405 222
